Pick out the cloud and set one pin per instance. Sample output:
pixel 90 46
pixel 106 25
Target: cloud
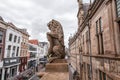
pixel 35 14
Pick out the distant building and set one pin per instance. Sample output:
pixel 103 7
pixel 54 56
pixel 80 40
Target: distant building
pixel 95 48
pixel 33 53
pixel 37 51
pixel 75 42
pixel 44 49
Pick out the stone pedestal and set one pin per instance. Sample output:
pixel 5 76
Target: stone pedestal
pixel 57 70
pixel 57 67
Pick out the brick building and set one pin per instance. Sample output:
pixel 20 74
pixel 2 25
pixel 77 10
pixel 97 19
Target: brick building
pixel 24 50
pixel 98 37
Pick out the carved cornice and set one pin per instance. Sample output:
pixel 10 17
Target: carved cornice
pixel 94 7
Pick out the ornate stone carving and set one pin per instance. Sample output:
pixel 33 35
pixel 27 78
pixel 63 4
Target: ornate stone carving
pixel 113 66
pixel 56 40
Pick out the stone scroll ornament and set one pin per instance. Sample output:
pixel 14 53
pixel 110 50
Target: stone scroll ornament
pixel 56 40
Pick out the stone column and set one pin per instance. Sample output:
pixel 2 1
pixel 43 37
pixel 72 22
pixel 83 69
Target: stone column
pixel 111 26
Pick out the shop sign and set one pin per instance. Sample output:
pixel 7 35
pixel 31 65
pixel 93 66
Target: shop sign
pixel 11 61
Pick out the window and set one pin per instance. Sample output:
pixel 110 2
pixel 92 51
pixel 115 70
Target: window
pixel 1 36
pixel 32 48
pixel 88 69
pixel 97 27
pixel 18 39
pixel 9 51
pixel 100 25
pixel 10 37
pixel 15 38
pixel 87 42
pixel 102 75
pixel 118 7
pixel 84 70
pixel 83 39
pixel 83 44
pixel 13 53
pixel 13 71
pixel 87 36
pixel 17 51
pixel 99 36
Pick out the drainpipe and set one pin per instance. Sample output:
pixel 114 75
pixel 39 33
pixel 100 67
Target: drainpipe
pixel 90 55
pixel 90 51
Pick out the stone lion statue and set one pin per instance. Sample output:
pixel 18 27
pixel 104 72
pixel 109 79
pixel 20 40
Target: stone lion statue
pixel 56 40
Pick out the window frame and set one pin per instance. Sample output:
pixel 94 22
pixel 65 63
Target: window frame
pixel 18 39
pixel 9 50
pixel 15 38
pixel 10 36
pixel 13 51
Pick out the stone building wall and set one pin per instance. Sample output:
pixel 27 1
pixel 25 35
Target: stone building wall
pixel 98 49
pixel 103 13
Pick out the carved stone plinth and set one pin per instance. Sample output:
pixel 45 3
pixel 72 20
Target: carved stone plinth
pixel 59 65
pixel 56 76
pixel 57 70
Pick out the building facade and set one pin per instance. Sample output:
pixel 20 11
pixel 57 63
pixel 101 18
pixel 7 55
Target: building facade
pixel 2 43
pixel 24 50
pixel 43 49
pixel 98 37
pixel 34 51
pixel 12 51
pixel 37 52
pixel 32 55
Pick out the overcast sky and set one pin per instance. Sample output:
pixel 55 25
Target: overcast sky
pixel 35 14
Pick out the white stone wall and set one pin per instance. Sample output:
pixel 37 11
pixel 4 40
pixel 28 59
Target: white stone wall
pixel 43 50
pixel 12 43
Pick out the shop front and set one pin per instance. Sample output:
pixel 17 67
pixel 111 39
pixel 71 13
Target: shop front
pixel 23 64
pixel 11 66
